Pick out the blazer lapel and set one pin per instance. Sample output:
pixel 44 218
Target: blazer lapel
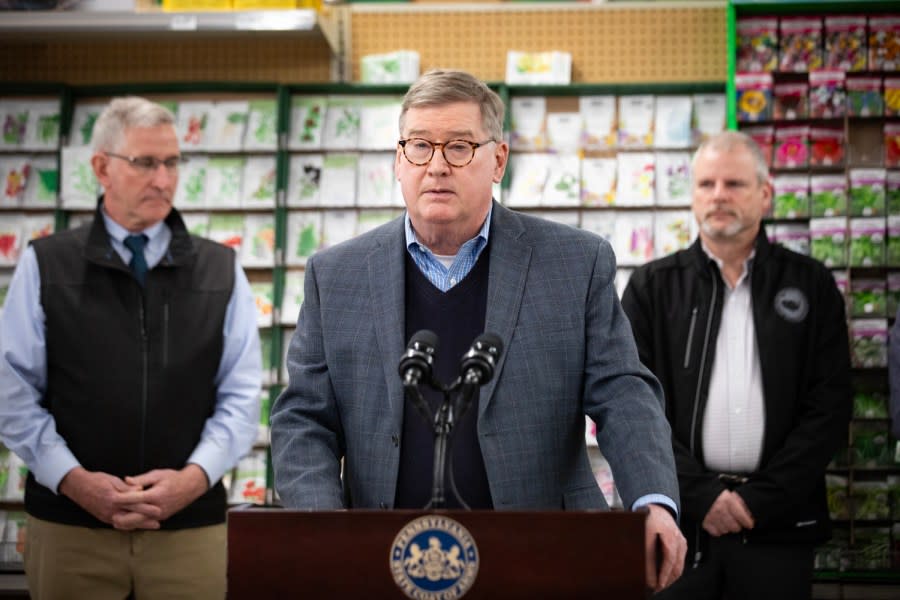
pixel 386 281
pixel 510 260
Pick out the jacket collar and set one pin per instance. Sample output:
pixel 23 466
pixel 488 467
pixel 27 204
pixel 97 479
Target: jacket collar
pixel 762 246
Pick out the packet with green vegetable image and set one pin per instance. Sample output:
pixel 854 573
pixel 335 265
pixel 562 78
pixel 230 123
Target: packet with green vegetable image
pixel 868 342
pixel 828 241
pixel 828 196
pixel 791 197
pixel 867 193
pixel 869 405
pixel 867 242
pixel 867 298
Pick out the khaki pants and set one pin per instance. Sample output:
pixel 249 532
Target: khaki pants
pixel 68 562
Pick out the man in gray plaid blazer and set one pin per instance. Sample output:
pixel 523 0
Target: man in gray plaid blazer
pixel 342 434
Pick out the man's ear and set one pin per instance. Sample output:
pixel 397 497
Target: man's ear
pixel 100 165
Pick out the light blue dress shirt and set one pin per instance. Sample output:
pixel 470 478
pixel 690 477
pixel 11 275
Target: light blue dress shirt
pixel 445 278
pixel 30 431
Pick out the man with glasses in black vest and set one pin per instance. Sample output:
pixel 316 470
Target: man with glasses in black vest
pixel 130 373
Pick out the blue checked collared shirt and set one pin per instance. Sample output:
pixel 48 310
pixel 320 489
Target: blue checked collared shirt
pixel 439 275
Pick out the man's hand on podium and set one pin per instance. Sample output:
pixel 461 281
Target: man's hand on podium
pixel 665 548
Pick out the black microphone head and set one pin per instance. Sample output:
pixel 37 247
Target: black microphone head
pixel 416 363
pixel 482 357
pixel 424 338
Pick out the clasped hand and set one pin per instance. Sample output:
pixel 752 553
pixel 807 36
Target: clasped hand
pixel 139 502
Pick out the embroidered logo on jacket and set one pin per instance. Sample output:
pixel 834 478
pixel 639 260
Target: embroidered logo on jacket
pixel 434 557
pixel 791 304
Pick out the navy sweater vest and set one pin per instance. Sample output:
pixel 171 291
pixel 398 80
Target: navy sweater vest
pixel 457 317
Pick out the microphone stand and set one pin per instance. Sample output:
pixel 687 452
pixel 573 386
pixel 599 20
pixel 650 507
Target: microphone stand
pixel 444 419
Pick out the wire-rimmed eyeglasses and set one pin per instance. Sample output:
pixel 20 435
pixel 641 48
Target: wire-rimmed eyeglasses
pixel 149 164
pixel 457 153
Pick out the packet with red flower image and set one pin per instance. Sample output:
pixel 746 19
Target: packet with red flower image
pixel 791 101
pixel 827 94
pixel 826 146
pixel 892 145
pixel 845 42
pixel 800 44
pixel 754 96
pixel 791 146
pixel 757 43
pixel 764 136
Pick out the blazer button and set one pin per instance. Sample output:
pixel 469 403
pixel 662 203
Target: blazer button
pixel 395 439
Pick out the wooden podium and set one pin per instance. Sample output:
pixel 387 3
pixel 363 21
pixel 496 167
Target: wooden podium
pixel 275 553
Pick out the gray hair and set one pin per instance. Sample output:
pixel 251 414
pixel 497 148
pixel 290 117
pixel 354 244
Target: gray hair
pixel 728 140
pixel 124 113
pixel 441 87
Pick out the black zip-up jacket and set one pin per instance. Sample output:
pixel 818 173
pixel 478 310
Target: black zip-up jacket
pixel 675 306
pixel 131 371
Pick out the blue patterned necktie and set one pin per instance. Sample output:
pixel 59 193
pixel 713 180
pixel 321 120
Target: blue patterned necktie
pixel 138 263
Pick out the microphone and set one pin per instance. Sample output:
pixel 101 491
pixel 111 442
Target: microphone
pixel 477 365
pixel 417 362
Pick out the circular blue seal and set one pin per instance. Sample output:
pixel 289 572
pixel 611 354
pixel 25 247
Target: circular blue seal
pixel 434 558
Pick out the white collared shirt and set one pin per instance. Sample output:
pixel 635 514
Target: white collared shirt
pixel 734 418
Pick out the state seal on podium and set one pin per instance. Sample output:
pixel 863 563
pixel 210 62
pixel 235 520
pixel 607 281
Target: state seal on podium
pixel 434 558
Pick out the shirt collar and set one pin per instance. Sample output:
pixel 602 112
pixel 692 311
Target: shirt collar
pixel 120 233
pixel 747 263
pixel 412 241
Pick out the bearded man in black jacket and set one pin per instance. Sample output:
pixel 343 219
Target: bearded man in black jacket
pixel 749 341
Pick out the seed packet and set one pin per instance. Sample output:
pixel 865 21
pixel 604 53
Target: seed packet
pixel 868 341
pixel 672 126
pixel 636 120
pixel 757 44
pixel 800 44
pixel 754 96
pixel 791 146
pixel 869 405
pixel 828 241
pixel 892 192
pixel 791 101
pixel 845 42
pixel 673 178
pixel 827 94
pixel 826 146
pixel 598 181
pixel 791 200
pixel 792 236
pixel 867 242
pixel 864 97
pixel 828 195
pixel 892 96
pixel 599 114
pixel 870 498
pixel 764 136
pixel 528 117
pixel 867 297
pixel 892 257
pixel 867 194
pixel 892 144
pixel 708 116
pixel 884 43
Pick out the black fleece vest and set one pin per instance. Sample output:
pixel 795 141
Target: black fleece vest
pixel 457 317
pixel 130 372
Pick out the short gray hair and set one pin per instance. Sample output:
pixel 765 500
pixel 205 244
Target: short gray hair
pixel 727 140
pixel 441 87
pixel 124 113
